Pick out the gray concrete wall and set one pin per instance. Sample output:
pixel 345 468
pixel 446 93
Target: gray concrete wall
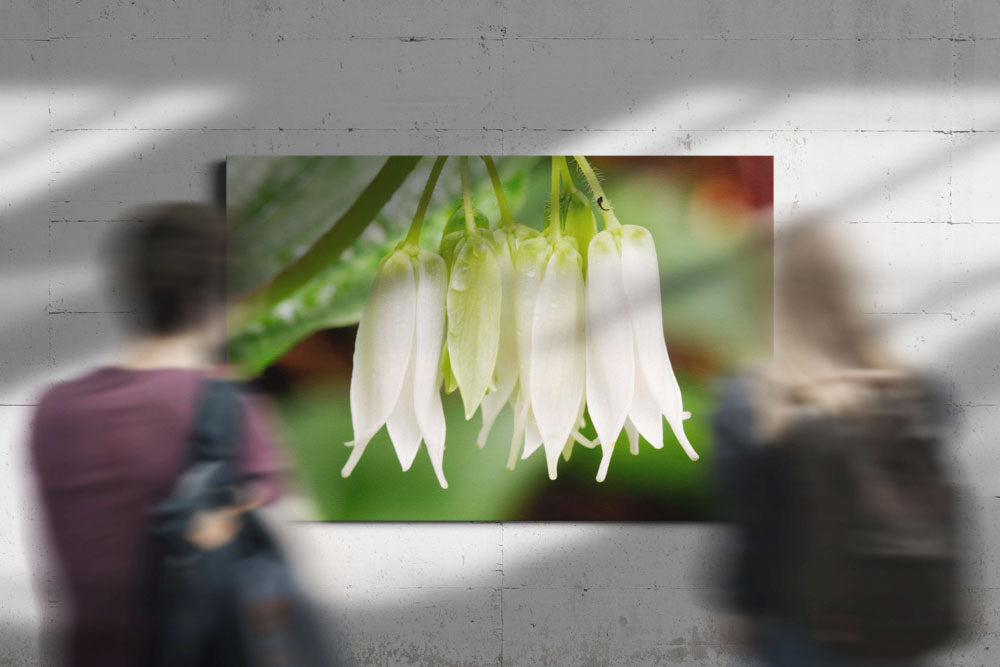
pixel 881 116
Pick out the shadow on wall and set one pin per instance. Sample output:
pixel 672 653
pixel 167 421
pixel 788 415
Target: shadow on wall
pixel 742 80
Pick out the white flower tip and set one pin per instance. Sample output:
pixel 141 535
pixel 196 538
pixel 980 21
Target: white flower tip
pixel 484 432
pixel 515 446
pixel 470 409
pixel 689 450
pixel 352 460
pixel 552 462
pixel 684 442
pixel 685 415
pixel 602 470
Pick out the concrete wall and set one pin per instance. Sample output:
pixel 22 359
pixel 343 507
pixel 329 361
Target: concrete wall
pixel 881 116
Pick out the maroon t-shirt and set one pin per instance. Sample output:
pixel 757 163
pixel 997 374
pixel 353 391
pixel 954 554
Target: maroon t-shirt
pixel 107 447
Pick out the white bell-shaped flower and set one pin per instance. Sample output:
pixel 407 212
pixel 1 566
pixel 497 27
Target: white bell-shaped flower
pixel 505 370
pixel 554 345
pixel 630 381
pixel 396 379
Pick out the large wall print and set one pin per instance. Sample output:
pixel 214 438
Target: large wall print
pixel 499 338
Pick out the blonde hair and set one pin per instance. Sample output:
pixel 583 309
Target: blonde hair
pixel 822 344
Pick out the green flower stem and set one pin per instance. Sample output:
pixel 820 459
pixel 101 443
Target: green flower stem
pixel 610 221
pixel 470 216
pixel 566 175
pixel 505 217
pixel 555 226
pixel 413 235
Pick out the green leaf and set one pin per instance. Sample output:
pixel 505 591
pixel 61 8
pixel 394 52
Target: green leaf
pixel 345 230
pixel 319 288
pixel 281 206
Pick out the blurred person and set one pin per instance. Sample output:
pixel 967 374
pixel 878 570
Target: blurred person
pixel 828 457
pixel 108 446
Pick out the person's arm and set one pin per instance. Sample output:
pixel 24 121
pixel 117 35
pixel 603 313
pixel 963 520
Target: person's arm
pixel 259 458
pixel 259 463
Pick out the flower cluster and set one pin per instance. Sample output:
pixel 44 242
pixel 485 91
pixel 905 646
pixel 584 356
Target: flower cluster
pixel 557 325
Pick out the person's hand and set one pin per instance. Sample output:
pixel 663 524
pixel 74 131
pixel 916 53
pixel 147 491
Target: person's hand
pixel 211 529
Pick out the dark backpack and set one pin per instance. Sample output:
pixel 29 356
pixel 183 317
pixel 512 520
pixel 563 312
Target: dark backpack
pixel 238 604
pixel 873 566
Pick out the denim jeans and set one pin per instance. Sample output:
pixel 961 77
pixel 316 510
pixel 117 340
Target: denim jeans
pixel 783 643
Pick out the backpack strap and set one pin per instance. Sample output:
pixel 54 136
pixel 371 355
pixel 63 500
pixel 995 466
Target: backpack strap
pixel 214 437
pixel 214 433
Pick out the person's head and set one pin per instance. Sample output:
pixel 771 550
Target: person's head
pixel 169 265
pixel 820 334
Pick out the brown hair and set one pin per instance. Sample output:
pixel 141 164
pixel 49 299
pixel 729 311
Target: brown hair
pixel 170 264
pixel 825 353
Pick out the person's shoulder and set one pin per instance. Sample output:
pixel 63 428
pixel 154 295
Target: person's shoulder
pixel 59 392
pixel 59 404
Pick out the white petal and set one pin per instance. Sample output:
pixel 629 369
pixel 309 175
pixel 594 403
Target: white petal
pixel 677 426
pixel 567 451
pixel 490 408
pixel 432 287
pixel 633 437
pixel 645 414
pixel 641 277
pixel 532 438
pixel 576 438
pixel 403 427
pixel 520 405
pixel 557 350
pixel 602 469
pixel 529 267
pixel 381 351
pixel 552 460
pixel 506 371
pixel 610 358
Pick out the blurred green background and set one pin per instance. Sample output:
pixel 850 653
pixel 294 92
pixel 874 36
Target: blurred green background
pixel 306 235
